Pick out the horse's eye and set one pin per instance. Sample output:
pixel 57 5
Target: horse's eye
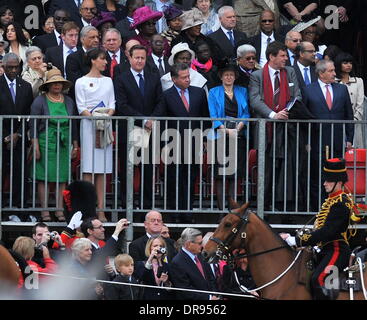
pixel 227 225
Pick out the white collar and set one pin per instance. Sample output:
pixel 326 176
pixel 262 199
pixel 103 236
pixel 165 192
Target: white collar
pixel 135 73
pixel 117 53
pixel 264 36
pixel 301 66
pixel 226 30
pixel 191 255
pixel 272 72
pixel 323 84
pixel 8 80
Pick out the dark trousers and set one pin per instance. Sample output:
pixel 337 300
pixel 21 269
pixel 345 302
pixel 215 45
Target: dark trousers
pixel 17 170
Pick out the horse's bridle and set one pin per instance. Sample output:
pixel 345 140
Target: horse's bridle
pixel 223 246
pixel 223 252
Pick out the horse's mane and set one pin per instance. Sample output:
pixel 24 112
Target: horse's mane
pixel 276 235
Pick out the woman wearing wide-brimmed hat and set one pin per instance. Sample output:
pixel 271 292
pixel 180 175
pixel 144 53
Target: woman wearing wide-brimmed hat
pixel 145 20
pixel 50 139
pixel 173 16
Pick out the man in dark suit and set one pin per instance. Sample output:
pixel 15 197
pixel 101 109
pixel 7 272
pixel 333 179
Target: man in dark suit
pixel 292 39
pixel 75 63
pixel 153 224
pixel 138 92
pixel 183 100
pixel 266 36
pixel 16 99
pixel 189 271
pixel 112 43
pixel 58 55
pixel 157 60
pixel 71 6
pixel 327 100
pixel 226 37
pixel 305 64
pixel 93 229
pixel 61 16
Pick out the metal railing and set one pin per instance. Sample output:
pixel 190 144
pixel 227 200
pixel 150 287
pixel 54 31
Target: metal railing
pixel 288 167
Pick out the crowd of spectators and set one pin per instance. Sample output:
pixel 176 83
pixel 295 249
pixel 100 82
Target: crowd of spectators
pixel 164 58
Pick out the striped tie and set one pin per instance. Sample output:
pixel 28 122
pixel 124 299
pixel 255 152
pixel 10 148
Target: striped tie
pixel 276 91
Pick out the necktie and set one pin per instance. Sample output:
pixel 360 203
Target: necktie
pixel 292 60
pixel 329 101
pixel 200 266
pixel 60 42
pixel 231 37
pixel 113 64
pixel 141 83
pixel 276 90
pixel 268 40
pixel 184 100
pixel 78 3
pixel 160 67
pixel 70 51
pixel 305 76
pixel 12 91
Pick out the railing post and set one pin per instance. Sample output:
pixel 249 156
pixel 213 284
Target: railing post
pixel 261 167
pixel 129 181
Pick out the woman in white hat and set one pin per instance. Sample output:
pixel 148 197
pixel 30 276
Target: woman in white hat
pixel 181 53
pixel 51 140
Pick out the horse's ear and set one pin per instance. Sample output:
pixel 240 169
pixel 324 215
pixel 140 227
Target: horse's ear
pixel 232 204
pixel 244 207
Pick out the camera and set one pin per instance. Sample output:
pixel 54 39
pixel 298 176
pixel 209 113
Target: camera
pixel 231 124
pixel 162 250
pixel 53 234
pixel 49 66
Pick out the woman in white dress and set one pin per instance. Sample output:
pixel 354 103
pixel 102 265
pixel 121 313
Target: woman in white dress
pixel 91 92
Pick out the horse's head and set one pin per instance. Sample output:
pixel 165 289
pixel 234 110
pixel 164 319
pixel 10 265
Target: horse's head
pixel 229 234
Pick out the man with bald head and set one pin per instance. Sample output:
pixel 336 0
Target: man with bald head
pixel 292 39
pixel 153 226
pixel 304 64
pixel 112 43
pixel 124 64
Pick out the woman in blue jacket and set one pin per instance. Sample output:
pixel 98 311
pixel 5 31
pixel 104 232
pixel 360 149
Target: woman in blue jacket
pixel 230 102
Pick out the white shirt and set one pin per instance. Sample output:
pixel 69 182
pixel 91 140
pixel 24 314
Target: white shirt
pixel 155 59
pixel 264 45
pixel 302 68
pixel 58 36
pixel 65 54
pixel 9 82
pixel 323 89
pixel 85 23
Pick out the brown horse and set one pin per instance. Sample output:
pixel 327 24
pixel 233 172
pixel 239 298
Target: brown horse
pixel 9 270
pixel 268 255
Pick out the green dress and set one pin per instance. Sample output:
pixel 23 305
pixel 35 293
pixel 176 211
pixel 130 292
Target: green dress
pixel 55 166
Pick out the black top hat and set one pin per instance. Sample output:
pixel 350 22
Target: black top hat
pixel 334 170
pixel 227 65
pixel 80 196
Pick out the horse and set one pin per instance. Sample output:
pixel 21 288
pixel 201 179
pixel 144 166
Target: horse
pixel 9 270
pixel 273 263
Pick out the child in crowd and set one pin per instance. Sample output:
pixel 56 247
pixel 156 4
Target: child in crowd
pixel 124 265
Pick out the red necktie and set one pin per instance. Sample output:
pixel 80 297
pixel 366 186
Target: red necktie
pixel 113 64
pixel 329 102
pixel 184 100
pixel 200 266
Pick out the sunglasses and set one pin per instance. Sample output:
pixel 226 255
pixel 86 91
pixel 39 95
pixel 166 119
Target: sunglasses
pixel 296 40
pixel 250 58
pixel 265 21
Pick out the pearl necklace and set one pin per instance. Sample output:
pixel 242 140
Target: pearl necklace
pixel 55 99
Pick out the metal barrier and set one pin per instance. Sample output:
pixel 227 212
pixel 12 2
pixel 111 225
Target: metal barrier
pixel 187 169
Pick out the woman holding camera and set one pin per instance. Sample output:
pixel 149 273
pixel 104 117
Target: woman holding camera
pixel 228 101
pixel 154 271
pixel 35 72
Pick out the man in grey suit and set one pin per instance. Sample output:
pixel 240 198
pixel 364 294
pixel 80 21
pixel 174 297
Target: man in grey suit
pixel 270 90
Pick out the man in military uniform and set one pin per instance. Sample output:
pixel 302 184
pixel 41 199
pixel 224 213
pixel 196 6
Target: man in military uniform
pixel 330 230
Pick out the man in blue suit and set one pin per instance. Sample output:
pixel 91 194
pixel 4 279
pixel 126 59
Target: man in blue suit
pixel 327 100
pixel 183 100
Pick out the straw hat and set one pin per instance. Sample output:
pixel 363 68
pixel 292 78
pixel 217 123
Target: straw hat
pixel 179 47
pixel 192 18
pixel 304 25
pixel 144 14
pixel 52 76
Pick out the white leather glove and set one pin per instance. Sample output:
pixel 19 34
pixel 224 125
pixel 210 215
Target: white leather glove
pixel 76 221
pixel 291 241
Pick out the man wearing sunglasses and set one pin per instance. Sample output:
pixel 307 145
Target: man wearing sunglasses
pixel 267 35
pixel 246 61
pixel 292 39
